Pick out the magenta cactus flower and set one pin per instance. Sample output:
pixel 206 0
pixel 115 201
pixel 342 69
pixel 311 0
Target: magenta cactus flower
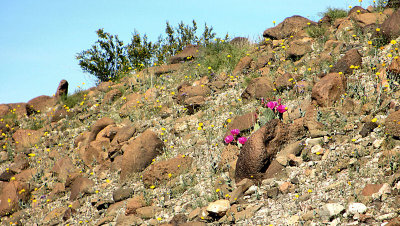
pixel 272 105
pixel 235 132
pixel 281 108
pixel 242 140
pixel 228 139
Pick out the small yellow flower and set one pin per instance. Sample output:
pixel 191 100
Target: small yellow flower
pixel 209 68
pixel 378 29
pixel 199 128
pixel 152 186
pixel 200 124
pixel 309 191
pixel 393 42
pixel 31 155
pixel 354 140
pixel 12 178
pixel 217 190
pixel 228 56
pixel 374 120
pixel 159 218
pixel 228 120
pixel 169 175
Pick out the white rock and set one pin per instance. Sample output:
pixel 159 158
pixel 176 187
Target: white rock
pixel 283 160
pixel 386 216
pixel 377 143
pixel 331 209
pixel 356 208
pixel 316 148
pixel 293 220
pixel 219 207
pixel 314 141
pixel 251 190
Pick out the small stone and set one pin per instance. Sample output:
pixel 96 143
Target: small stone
pixel 286 187
pixel 252 189
pixel 283 160
pixel 355 208
pixel 122 194
pixel 293 220
pixel 317 149
pixel 386 216
pixel 314 141
pixel 331 210
pixel 273 193
pixel 218 207
pixel 377 143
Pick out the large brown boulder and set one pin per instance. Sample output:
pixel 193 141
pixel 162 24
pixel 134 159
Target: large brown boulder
pixel 369 18
pixel 98 126
pixel 111 96
pixel 62 89
pixel 392 124
pixel 20 109
pixel 329 89
pixel 132 101
pixel 139 153
pixel 4 110
pixel 242 65
pixel 26 138
pixel 186 91
pixel 11 196
pixel 188 53
pixel 242 122
pixel 258 152
pixel 81 186
pixel 42 103
pixel 390 28
pixel 163 171
pixel 352 57
pixel 300 47
pixel 63 167
pixel 357 10
pixel 290 26
pixel 258 88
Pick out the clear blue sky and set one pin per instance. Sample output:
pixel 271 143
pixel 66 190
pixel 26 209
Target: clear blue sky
pixel 39 39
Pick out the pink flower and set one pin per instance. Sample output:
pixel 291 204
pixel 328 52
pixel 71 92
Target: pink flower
pixel 228 139
pixel 272 104
pixel 235 132
pixel 281 108
pixel 242 140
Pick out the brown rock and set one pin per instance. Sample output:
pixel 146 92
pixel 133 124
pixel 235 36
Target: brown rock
pixel 275 169
pixel 133 204
pixel 4 110
pixel 63 167
pixel 193 103
pixel 240 41
pixel 98 126
pixel 11 194
pixel 26 175
pixel 258 88
pixel 140 152
pixel 393 4
pixel 26 138
pixel 394 67
pixel 352 57
pixel 286 187
pixel 300 47
pixel 186 91
pixel 148 212
pixel 258 152
pixel 190 52
pixel 55 216
pixel 290 26
pixel 104 86
pixel 370 18
pixel 111 96
pixel 161 172
pixel 370 189
pixel 122 194
pixel 42 103
pixel 82 139
pixel 132 101
pixel 284 81
pixel 242 65
pixel 124 134
pixel 242 122
pixel 60 114
pixel 392 124
pixel 62 89
pixel 329 89
pixel 96 152
pixel 21 110
pixel 165 69
pixel 357 10
pixel 390 28
pixel 81 186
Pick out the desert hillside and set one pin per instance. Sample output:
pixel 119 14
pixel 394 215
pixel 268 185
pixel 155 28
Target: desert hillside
pixel 300 128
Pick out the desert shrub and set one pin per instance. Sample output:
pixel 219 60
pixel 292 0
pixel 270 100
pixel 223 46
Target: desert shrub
pixel 219 56
pixel 106 58
pixel 335 13
pixel 73 99
pixel 317 32
pixel 109 59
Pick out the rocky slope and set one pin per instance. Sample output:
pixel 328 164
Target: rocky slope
pixel 152 148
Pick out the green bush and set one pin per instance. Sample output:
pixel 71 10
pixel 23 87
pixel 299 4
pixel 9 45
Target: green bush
pixel 109 58
pixel 317 32
pixel 335 13
pixel 73 99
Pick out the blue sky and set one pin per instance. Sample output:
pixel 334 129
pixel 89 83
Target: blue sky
pixel 39 39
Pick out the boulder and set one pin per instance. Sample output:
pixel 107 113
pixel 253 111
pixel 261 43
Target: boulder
pixel 188 53
pixel 42 103
pixel 98 126
pixel 299 48
pixel 133 204
pixel 186 91
pixel 219 207
pixel 122 194
pixel 80 186
pixel 352 57
pixel 328 89
pixel 290 26
pixel 357 10
pixel 26 138
pixel 62 168
pixel 394 67
pixel 132 101
pixel 370 18
pixel 111 96
pixel 258 88
pixel 139 153
pixel 390 28
pixel 259 150
pixel 11 196
pixel 242 65
pixel 62 89
pixel 242 122
pixel 392 124
pixel 161 172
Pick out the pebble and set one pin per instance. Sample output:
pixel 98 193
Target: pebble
pixel 386 216
pixel 331 209
pixel 219 207
pixel 377 143
pixel 356 208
